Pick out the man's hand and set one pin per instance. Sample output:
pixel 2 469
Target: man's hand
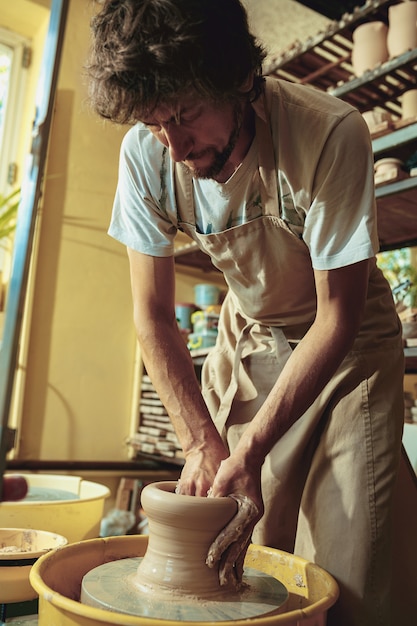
pixel 243 484
pixel 14 488
pixel 200 469
pixel 231 544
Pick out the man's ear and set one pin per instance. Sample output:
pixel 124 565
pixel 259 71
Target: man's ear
pixel 247 84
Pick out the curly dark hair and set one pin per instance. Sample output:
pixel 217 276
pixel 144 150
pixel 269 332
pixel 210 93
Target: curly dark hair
pixel 148 52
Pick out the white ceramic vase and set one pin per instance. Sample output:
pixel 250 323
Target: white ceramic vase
pixel 181 530
pixel 369 46
pixel 383 166
pixel 402 31
pixel 409 104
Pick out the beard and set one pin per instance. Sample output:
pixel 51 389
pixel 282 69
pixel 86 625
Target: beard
pixel 219 157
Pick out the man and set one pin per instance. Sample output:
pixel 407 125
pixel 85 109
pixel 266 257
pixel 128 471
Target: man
pixel 302 407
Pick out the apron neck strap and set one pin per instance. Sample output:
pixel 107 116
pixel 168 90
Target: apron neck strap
pixel 266 165
pixel 266 156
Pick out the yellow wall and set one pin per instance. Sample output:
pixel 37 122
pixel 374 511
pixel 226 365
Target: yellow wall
pixel 82 345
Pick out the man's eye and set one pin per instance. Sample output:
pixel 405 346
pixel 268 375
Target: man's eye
pixel 191 116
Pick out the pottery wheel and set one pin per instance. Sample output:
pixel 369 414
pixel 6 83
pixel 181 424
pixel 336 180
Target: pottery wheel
pixel 107 587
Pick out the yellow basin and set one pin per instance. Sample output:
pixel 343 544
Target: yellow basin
pixel 57 576
pixel 76 519
pixel 19 549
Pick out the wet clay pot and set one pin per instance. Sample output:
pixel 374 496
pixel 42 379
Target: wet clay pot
pixel 181 530
pixel 402 32
pixel 369 46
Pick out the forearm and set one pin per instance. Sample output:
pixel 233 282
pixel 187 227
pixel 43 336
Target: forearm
pixel 308 370
pixel 169 365
pixel 341 296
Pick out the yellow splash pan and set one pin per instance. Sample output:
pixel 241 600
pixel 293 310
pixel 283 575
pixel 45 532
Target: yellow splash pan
pixel 19 550
pixel 76 519
pixel 57 576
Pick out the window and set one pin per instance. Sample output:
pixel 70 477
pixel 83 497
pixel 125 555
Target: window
pixel 6 59
pixel 399 267
pixel 14 57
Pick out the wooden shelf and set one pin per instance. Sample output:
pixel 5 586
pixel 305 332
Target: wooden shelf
pixel 187 253
pixel 394 139
pixel 397 201
pixel 193 257
pixel 397 217
pixel 381 87
pixel 324 61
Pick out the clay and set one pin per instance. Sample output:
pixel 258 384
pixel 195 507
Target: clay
pixel 172 580
pixel 181 530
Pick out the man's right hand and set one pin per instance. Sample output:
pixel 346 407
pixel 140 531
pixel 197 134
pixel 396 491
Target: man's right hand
pixel 200 469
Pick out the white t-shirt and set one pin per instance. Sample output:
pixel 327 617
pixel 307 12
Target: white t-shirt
pixel 324 175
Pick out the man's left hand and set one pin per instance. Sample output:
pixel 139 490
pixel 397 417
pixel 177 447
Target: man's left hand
pixel 230 546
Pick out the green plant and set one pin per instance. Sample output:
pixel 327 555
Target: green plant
pixel 401 275
pixel 8 215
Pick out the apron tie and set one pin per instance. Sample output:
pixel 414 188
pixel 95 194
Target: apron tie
pixel 283 353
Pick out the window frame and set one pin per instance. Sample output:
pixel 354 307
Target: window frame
pixel 14 110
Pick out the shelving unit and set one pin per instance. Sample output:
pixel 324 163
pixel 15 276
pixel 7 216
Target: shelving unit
pixel 397 201
pixel 187 253
pixel 324 61
pixel 155 437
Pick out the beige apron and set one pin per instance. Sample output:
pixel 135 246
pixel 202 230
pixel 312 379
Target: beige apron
pixel 330 480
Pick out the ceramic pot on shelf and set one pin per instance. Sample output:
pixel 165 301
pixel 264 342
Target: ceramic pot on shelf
pixel 402 31
pixel 374 118
pixel 409 104
pixel 369 46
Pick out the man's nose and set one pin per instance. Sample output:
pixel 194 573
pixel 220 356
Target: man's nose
pixel 179 142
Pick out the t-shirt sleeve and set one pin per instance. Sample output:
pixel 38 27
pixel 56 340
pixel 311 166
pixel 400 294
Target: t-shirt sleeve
pixel 144 210
pixel 340 226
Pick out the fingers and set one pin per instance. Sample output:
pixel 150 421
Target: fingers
pixel 231 564
pixel 194 483
pixel 188 488
pixel 239 561
pixel 247 512
pixel 231 544
pixel 14 488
